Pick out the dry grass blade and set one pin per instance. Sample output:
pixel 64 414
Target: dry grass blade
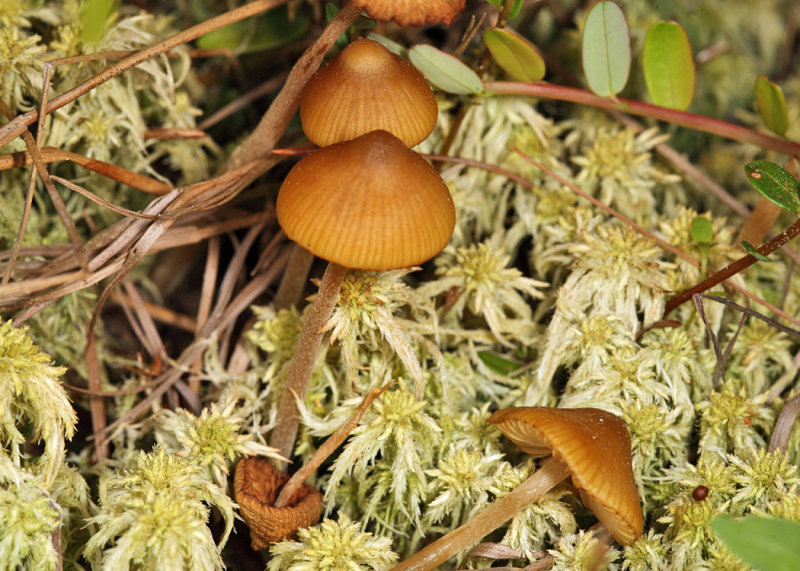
pixel 160 313
pixel 18 126
pixel 783 426
pixel 51 154
pixel 104 203
pixel 167 379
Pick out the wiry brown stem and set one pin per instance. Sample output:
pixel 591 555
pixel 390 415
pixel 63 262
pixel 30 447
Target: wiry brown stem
pixel 734 267
pixel 297 381
pixel 545 479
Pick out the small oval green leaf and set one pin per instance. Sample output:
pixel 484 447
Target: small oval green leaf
pixel 774 183
pixel 701 230
pixel 606 49
pixel 668 65
pixel 514 9
pixel 445 71
pixel 516 55
pixel 391 45
pixel 498 364
pixel 771 105
pixel 766 543
pixel 753 251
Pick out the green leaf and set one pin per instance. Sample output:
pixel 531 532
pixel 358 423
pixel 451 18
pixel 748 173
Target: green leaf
pixel 767 544
pixel 774 183
pixel 771 105
pixel 498 364
pixel 668 65
pixel 701 230
pixel 445 71
pixel 391 45
pixel 94 17
pixel 753 251
pixel 606 49
pixel 514 10
pixel 516 55
pixel 266 32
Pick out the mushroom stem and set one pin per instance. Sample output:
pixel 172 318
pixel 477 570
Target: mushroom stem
pixel 299 376
pixel 542 481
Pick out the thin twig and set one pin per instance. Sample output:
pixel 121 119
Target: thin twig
pixel 328 447
pixel 274 122
pixel 735 267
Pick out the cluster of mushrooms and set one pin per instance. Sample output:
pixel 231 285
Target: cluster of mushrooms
pixel 365 200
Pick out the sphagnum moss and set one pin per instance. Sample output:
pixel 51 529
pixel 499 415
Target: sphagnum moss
pixel 409 459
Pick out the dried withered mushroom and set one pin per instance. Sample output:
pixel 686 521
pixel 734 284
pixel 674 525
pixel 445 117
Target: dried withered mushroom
pixel 412 12
pixel 256 485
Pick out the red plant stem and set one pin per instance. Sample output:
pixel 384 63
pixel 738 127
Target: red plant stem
pixel 735 267
pixel 283 435
pixel 691 120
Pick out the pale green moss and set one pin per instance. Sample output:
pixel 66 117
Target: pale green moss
pixel 154 514
pixel 333 546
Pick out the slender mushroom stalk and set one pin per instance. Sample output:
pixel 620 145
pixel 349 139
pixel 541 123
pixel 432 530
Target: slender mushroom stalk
pixel 297 380
pixel 591 445
pixel 363 222
pixel 545 479
pixel 371 204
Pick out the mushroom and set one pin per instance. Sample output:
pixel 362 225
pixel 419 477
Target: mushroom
pixel 371 204
pixel 412 12
pixel 256 485
pixel 591 445
pixel 365 88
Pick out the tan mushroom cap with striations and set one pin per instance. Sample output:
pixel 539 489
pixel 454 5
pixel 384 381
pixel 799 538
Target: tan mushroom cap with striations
pixel 412 12
pixel 370 204
pixel 595 446
pixel 365 88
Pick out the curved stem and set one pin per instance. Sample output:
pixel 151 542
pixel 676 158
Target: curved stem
pixel 683 118
pixel 297 381
pixel 734 267
pixel 543 480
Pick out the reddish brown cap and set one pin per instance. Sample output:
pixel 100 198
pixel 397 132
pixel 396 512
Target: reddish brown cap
pixel 365 88
pixel 370 203
pixel 595 446
pixel 412 12
pixel 256 485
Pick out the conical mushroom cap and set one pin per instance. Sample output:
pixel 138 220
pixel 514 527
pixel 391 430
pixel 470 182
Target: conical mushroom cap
pixel 595 446
pixel 365 88
pixel 412 12
pixel 370 203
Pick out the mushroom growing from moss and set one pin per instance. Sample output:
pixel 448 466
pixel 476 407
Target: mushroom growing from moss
pixel 370 204
pixel 365 88
pixel 591 445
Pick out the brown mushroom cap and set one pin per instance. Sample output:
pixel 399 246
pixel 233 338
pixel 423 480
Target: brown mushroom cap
pixel 370 203
pixel 595 446
pixel 365 88
pixel 412 12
